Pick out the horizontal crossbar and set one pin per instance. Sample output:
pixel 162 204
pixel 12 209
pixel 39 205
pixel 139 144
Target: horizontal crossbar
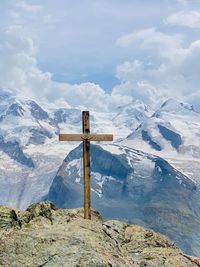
pixel 81 137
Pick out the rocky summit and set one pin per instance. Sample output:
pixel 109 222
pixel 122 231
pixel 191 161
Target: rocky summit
pixel 44 235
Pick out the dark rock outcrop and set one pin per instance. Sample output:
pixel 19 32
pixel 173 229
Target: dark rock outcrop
pixel 14 151
pixel 36 111
pixel 174 138
pixel 146 137
pixel 8 218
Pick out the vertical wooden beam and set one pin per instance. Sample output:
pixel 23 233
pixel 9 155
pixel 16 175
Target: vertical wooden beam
pixel 86 165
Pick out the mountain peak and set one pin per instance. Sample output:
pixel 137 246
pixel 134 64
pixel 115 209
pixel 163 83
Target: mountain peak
pixel 173 106
pixel 4 94
pixel 131 115
pixel 46 235
pixel 36 111
pixel 15 109
pixel 136 105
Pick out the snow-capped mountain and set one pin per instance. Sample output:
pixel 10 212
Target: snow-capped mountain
pixel 134 186
pixel 29 134
pixel 132 115
pixel 172 132
pixel 174 127
pixel 29 149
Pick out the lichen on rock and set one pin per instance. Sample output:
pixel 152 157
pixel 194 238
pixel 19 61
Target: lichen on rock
pixel 8 218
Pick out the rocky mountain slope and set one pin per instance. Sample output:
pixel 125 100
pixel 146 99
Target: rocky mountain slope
pixel 46 236
pixel 134 186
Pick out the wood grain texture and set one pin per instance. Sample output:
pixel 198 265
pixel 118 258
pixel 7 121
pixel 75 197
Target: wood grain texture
pixel 82 137
pixel 86 163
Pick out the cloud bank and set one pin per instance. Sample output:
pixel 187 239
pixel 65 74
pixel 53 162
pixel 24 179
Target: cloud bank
pixel 157 62
pixel 20 73
pixel 188 18
pixel 176 73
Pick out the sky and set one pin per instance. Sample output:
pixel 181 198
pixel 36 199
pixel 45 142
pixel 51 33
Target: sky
pixel 101 54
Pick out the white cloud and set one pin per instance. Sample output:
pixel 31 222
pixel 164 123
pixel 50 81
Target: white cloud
pixel 183 2
pixel 84 96
pixel 24 6
pixel 178 76
pixel 25 14
pixel 189 18
pixel 19 72
pixel 18 66
pixel 166 45
pixel 139 82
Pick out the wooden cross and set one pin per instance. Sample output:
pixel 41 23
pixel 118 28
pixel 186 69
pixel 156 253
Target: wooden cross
pixel 86 137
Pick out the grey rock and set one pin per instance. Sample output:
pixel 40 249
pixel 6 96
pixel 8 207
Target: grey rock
pixel 71 241
pixel 8 218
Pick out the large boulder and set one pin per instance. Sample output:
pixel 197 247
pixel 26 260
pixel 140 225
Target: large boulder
pixel 8 218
